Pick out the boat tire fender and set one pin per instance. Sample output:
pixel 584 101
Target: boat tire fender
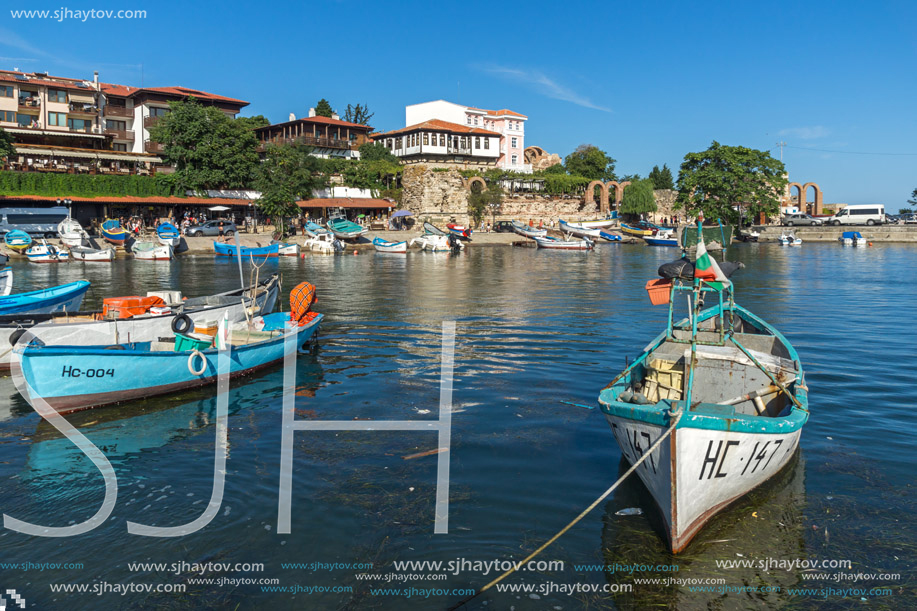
pixel 203 368
pixel 29 337
pixel 181 323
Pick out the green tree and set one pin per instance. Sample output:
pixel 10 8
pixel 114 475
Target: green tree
pixel 481 200
pixel 208 149
pixel 638 198
pixel 323 108
pixel 590 162
pixel 662 179
pixel 287 174
pixel 6 144
pixel 557 168
pixel 253 122
pixel 374 151
pixel 905 210
pixel 358 114
pixel 723 179
pixel 913 199
pixel 630 178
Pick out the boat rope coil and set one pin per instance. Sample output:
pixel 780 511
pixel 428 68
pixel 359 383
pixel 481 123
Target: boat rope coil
pixel 203 368
pixel 674 417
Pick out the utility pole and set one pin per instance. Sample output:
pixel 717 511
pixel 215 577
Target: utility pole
pixel 780 145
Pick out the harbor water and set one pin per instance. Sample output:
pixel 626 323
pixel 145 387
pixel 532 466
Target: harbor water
pixel 536 331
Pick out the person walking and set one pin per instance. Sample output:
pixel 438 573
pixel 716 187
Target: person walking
pixel 222 235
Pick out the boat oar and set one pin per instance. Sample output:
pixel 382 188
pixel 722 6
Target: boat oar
pixel 674 417
pixel 768 374
pixel 579 405
pixel 235 237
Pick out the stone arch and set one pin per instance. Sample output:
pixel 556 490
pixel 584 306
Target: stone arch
pixel 817 205
pixel 469 183
pixel 619 190
pixel 531 154
pixel 800 195
pixel 603 194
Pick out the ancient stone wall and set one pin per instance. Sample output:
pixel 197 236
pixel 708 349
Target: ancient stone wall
pixel 435 195
pixel 545 208
pixel 665 202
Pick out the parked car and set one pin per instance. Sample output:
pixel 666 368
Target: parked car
pixel 908 218
pixel 503 226
pixel 892 218
pixel 211 228
pixel 800 219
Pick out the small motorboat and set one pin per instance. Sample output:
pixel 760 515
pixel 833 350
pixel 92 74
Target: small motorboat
pixel 852 238
pixel 98 375
pixel 551 242
pixel 17 239
pixel 579 230
pixel 459 231
pixel 168 234
pixel 386 246
pixel 665 237
pixel 344 229
pixel 528 231
pixel 63 298
pixel 611 237
pixel 726 387
pixel 436 240
pixel 230 250
pixel 747 236
pixel 286 249
pixel 46 253
pixel 597 223
pixel 314 229
pixel 151 251
pixel 6 281
pixel 324 243
pixel 114 233
pixel 788 239
pixel 83 253
pixel 639 230
pixel 71 233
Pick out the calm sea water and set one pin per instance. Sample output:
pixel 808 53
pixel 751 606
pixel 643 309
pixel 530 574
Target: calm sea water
pixel 534 329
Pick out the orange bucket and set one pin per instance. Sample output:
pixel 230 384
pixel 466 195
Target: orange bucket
pixel 659 291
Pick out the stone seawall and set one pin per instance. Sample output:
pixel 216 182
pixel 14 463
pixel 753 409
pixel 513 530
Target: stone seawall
pixel 877 233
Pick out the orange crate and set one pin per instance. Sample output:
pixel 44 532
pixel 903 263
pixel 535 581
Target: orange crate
pixel 659 291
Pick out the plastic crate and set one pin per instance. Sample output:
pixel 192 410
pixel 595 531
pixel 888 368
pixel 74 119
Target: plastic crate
pixel 659 291
pixel 189 342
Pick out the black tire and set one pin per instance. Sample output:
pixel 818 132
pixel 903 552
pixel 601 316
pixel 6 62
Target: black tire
pixel 789 223
pixel 49 236
pixel 230 232
pixel 197 234
pixel 836 223
pixel 181 323
pixel 814 223
pixel 870 222
pixel 29 337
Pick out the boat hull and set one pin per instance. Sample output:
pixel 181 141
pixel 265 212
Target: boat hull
pixel 390 247
pixel 288 250
pixel 44 253
pixel 636 232
pixel 650 241
pixel 90 255
pixel 17 239
pixel 552 244
pixel 611 237
pixel 150 251
pixel 66 297
pixel 698 472
pixel 94 376
pixel 597 223
pixel 579 230
pixel 229 250
pixel 528 232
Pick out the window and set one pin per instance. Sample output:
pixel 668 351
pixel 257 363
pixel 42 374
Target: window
pixel 57 118
pixel 398 142
pixel 486 143
pixel 514 142
pixel 477 143
pixel 57 95
pixel 83 125
pixel 26 120
pixel 158 112
pixel 6 91
pixel 119 146
pixel 8 116
pixel 515 159
pixel 390 144
pixel 118 125
pixel 475 120
pixel 468 119
pixel 442 139
pixel 426 139
pixel 464 142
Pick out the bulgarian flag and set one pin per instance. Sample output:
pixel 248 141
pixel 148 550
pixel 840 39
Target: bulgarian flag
pixel 705 267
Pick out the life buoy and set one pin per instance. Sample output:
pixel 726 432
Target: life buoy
pixel 181 323
pixel 203 368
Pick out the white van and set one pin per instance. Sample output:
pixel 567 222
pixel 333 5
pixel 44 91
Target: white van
pixel 861 214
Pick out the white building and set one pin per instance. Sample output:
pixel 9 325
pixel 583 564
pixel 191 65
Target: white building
pixel 441 143
pixel 508 124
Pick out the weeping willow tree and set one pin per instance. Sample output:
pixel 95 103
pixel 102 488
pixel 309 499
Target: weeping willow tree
pixel 638 198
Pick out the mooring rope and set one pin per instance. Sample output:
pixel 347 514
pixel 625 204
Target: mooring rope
pixel 674 418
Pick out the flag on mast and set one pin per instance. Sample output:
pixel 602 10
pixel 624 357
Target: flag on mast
pixel 705 266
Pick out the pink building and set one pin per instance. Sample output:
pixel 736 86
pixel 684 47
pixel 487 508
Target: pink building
pixel 509 124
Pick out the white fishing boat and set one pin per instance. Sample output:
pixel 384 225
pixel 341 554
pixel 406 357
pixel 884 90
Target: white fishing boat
pixel 386 246
pixel 725 386
pixel 323 243
pixel 287 249
pixel 168 235
pixel 43 252
pixel 597 223
pixel 552 243
pixel 6 281
pixel 81 253
pixel 436 240
pixel 151 251
pixel 579 230
pixel 71 233
pixel 528 231
pixel 852 238
pixel 788 239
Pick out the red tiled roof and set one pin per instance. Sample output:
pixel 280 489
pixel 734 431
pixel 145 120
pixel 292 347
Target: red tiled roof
pixel 438 125
pixel 504 111
pixel 118 90
pixel 185 92
pixel 188 201
pixel 9 76
pixel 320 121
pixel 345 202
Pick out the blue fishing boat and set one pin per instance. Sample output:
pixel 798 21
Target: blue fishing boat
pixel 99 375
pixel 17 239
pixel 611 237
pixel 726 387
pixel 314 229
pixel 230 250
pixel 852 238
pixel 114 233
pixel 66 297
pixel 528 231
pixel 168 234
pixel 386 246
pixel 665 237
pixel 344 229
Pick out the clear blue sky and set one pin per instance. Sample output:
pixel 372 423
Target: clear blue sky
pixel 647 82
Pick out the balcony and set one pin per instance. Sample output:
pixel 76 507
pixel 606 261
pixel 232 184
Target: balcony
pixel 149 122
pixel 333 143
pixel 88 129
pixel 459 150
pixel 83 109
pixel 34 102
pixel 119 134
pixel 117 111
pixel 152 147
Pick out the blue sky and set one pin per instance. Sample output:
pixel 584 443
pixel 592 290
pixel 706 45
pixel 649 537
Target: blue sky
pixel 647 82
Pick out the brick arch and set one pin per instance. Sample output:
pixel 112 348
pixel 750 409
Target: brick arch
pixel 817 206
pixel 801 197
pixel 603 194
pixel 469 183
pixel 619 190
pixel 531 154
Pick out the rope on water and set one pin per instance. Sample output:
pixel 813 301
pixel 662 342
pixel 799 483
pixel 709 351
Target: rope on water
pixel 674 421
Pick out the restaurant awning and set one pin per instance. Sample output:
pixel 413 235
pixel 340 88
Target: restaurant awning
pixel 346 202
pixel 83 154
pixel 82 98
pixel 46 132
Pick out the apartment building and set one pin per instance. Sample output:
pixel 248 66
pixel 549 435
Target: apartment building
pixel 72 125
pixel 510 126
pixel 441 143
pixel 328 136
